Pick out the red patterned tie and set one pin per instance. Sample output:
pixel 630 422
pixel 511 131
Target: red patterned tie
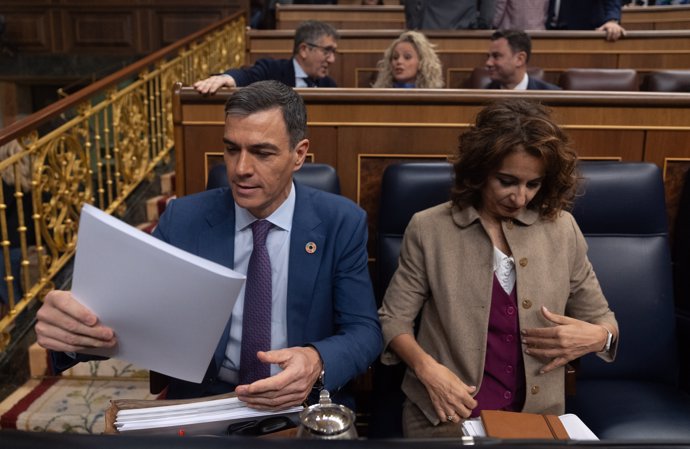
pixel 256 321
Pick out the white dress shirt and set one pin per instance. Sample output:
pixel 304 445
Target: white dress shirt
pixel 300 75
pixel 522 85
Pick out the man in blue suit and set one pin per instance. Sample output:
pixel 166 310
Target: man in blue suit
pixel 313 51
pixel 323 324
pixel 509 53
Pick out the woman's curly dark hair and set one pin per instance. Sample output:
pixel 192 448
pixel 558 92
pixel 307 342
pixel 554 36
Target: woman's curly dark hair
pixel 510 125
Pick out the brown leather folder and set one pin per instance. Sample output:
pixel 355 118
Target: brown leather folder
pixel 501 424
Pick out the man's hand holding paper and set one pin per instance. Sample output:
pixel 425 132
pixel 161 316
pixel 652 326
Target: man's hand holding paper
pixel 66 325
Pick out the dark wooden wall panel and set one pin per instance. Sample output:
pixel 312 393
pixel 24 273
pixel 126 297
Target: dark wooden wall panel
pixel 92 30
pixel 108 27
pixel 31 29
pixel 174 25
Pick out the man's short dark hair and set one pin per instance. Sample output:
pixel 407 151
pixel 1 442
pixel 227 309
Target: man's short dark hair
pixel 517 41
pixel 311 31
pixel 265 95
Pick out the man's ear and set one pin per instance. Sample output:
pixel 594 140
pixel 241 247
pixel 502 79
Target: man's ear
pixel 521 58
pixel 302 51
pixel 301 150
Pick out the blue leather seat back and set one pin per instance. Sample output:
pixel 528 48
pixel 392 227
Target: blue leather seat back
pixel 621 211
pixel 405 190
pixel 319 176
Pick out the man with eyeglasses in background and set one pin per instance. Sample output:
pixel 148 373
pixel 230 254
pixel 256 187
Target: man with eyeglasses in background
pixel 313 52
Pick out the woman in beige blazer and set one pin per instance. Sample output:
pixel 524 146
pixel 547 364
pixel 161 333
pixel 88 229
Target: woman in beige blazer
pixel 501 277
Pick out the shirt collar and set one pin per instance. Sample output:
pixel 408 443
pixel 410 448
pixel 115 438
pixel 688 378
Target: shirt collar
pixel 281 217
pixel 522 85
pixel 300 74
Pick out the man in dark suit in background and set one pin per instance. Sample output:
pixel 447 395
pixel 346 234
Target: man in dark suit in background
pixel 509 53
pixel 600 15
pixel 319 314
pixel 313 51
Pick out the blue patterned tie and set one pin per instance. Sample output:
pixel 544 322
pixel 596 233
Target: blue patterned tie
pixel 256 321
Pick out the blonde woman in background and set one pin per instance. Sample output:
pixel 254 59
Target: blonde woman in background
pixel 410 62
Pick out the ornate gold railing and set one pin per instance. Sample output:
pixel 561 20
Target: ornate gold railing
pixel 94 146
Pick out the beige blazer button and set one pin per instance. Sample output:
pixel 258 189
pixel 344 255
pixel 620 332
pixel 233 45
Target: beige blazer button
pixel 509 224
pixel 534 389
pixel 526 303
pixel 523 262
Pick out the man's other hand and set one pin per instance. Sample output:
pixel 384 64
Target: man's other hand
pixel 301 368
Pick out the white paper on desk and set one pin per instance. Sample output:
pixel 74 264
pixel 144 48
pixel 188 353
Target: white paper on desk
pixel 168 308
pixel 577 430
pixel 473 427
pixel 224 410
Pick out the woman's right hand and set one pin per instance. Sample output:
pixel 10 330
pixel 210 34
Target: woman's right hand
pixel 451 397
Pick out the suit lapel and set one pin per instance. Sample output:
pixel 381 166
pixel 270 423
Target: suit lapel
pixel 290 79
pixel 307 246
pixel 217 243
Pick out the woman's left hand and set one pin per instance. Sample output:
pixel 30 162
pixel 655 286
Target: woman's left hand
pixel 567 340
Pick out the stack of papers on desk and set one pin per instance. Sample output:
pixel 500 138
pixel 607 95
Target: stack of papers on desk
pixel 200 417
pixel 167 307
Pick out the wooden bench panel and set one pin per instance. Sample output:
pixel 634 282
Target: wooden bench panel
pixel 361 131
pixel 656 18
pixel 352 17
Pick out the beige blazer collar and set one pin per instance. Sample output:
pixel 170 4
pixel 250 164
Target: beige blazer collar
pixel 465 217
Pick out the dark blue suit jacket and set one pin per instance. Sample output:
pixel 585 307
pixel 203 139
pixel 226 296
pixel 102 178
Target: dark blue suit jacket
pixel 272 69
pixel 532 84
pixel 584 14
pixel 330 301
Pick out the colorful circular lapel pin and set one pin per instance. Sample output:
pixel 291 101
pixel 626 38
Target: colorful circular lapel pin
pixel 310 247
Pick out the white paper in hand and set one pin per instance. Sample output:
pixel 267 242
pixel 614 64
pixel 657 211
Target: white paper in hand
pixel 168 308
